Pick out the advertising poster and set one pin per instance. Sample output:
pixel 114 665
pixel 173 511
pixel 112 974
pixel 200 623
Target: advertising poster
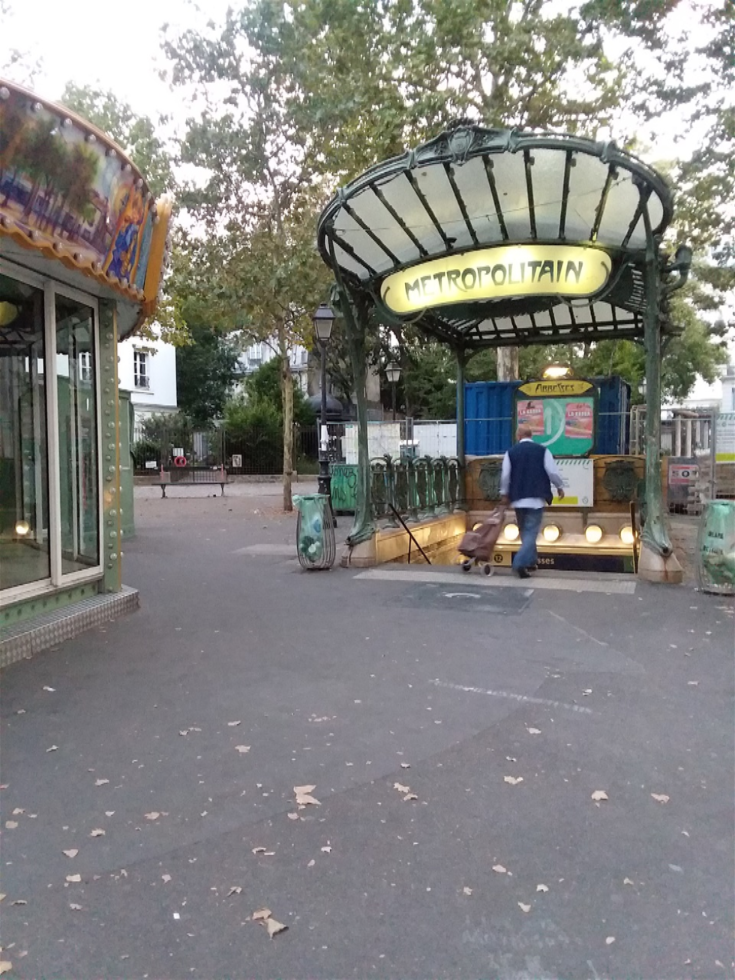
pixel 725 438
pixel 561 414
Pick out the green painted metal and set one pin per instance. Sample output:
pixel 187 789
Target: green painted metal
pixel 26 609
pixel 112 517
pixel 127 497
pixel 344 485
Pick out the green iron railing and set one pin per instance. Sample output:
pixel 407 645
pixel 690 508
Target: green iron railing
pixel 417 489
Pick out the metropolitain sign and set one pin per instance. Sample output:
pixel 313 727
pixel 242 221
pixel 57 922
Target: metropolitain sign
pixel 501 272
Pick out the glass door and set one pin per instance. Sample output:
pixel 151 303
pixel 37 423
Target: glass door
pixel 24 488
pixel 75 403
pixel 50 468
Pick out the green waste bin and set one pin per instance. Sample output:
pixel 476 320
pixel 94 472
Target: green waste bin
pixel 315 542
pixel 716 547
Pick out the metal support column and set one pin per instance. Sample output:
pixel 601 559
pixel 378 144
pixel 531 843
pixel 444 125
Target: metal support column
pixel 657 562
pixel 461 362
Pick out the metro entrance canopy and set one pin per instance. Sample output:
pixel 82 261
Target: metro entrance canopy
pixel 491 238
pixel 469 231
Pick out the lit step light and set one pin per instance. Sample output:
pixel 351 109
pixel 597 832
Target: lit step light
pixel 593 533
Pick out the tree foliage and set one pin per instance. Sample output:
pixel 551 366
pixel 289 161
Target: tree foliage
pixel 265 385
pixel 206 370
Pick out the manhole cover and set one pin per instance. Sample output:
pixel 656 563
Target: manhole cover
pixel 506 602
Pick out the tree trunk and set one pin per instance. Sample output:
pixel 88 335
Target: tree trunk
pixel 287 393
pixel 508 369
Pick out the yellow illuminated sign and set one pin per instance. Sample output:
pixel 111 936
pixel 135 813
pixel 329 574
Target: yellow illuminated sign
pixel 548 389
pixel 496 273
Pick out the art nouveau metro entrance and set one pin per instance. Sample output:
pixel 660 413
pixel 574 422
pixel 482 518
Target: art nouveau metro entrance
pixel 489 238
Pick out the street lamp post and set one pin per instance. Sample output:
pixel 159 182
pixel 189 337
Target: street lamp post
pixel 393 373
pixel 323 320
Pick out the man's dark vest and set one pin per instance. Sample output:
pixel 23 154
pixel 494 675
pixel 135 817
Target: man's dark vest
pixel 528 478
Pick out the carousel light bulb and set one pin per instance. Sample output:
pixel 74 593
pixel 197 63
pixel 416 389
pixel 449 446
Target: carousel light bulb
pixel 22 528
pixel 511 532
pixel 593 533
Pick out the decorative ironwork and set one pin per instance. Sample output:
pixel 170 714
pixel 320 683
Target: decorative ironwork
pixel 621 480
pixel 489 479
pixel 417 489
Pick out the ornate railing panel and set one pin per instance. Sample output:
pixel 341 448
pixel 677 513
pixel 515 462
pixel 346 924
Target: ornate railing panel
pixel 419 489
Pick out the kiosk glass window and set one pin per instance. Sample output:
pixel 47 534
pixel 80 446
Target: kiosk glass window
pixel 77 428
pixel 24 509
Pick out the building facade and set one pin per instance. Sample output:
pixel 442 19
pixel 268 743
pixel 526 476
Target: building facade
pixel 147 369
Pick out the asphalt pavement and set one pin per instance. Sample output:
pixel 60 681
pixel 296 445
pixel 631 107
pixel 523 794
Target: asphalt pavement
pixel 507 782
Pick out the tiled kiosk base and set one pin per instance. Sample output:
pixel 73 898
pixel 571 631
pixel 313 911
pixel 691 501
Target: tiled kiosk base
pixel 30 636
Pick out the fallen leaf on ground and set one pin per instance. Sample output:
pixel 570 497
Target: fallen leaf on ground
pixel 76 908
pixel 233 724
pixel 292 816
pixel 5 965
pixel 109 813
pixel 466 890
pixel 262 914
pixel 409 796
pixel 693 683
pixel 513 780
pixel 153 815
pixel 610 940
pixel 73 878
pixel 524 908
pixel 97 832
pixel 19 901
pixel 311 863
pixel 542 888
pixel 405 765
pixel 52 748
pixel 165 877
pixel 2 896
pixel 101 782
pixel 327 849
pixel 47 688
pixel 500 869
pixel 17 811
pixel 304 797
pixel 510 758
pixel 660 797
pixel 72 852
pixel 235 890
pixel 242 749
pixel 628 881
pixel 259 850
pixel 599 794
pixel 11 824
pixel 274 927
pixel 533 731
pixel 401 788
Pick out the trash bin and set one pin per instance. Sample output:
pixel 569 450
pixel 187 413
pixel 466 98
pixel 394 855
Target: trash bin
pixel 716 548
pixel 315 542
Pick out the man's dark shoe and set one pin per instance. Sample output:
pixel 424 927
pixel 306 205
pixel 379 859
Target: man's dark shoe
pixel 523 573
pixel 533 568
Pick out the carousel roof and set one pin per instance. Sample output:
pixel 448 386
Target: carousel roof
pixel 508 209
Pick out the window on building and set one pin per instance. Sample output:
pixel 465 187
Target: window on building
pixel 85 367
pixel 141 366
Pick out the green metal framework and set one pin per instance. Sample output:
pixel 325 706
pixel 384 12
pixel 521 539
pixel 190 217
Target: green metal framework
pixel 472 188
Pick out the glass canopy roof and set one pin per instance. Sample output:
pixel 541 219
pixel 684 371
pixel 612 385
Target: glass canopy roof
pixel 473 189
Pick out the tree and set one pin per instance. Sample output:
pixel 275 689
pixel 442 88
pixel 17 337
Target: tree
pixel 265 385
pixel 206 370
pixel 258 271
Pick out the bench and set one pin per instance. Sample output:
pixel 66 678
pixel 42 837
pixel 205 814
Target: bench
pixel 193 476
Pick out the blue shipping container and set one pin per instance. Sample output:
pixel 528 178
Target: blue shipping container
pixel 489 416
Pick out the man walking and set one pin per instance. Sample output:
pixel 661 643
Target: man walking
pixel 525 482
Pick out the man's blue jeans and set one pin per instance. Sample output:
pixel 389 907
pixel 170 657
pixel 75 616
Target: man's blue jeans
pixel 529 524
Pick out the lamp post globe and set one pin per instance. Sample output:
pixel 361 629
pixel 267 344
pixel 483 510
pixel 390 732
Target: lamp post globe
pixel 323 320
pixel 393 373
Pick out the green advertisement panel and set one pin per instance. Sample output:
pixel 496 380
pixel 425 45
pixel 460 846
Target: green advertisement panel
pixel 562 415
